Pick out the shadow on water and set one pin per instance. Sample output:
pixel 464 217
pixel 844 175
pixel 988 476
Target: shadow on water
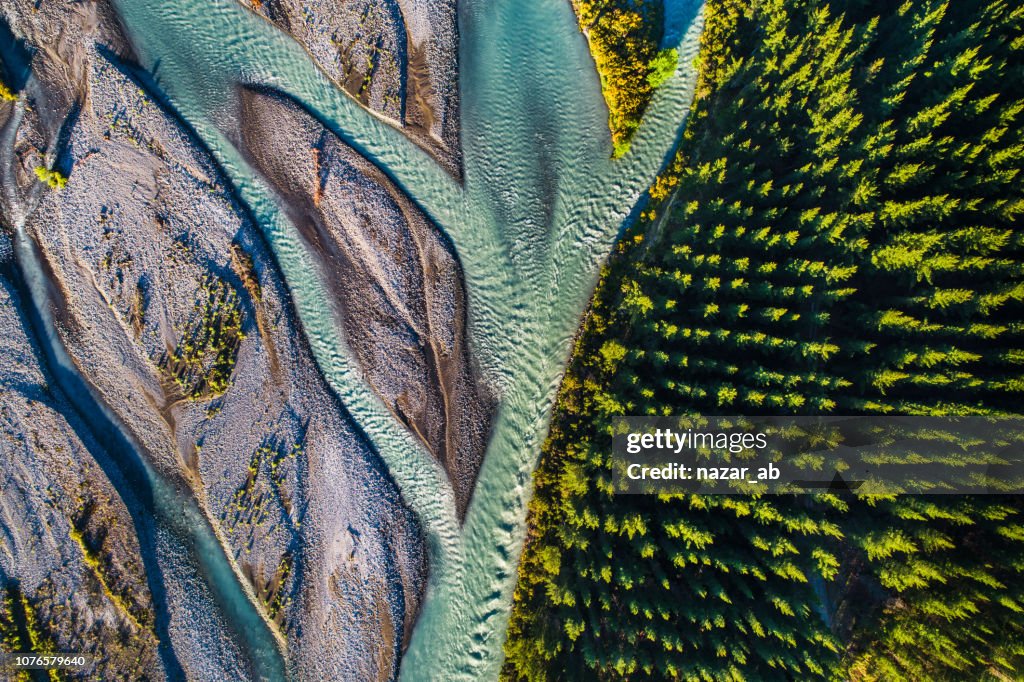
pixel 679 15
pixel 112 453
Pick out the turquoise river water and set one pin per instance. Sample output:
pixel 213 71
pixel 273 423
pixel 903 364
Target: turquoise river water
pixel 538 211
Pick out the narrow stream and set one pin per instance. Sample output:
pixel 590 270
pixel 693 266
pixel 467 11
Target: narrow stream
pixel 169 506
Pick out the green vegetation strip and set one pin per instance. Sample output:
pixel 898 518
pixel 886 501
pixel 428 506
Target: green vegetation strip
pixel 96 565
pixel 837 235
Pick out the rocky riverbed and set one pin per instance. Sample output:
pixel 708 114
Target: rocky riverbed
pixel 220 220
pixel 399 286
pixel 70 559
pixel 398 57
pixel 171 310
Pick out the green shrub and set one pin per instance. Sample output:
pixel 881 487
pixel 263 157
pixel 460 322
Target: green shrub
pixel 53 178
pixel 6 94
pixel 623 39
pixel 662 67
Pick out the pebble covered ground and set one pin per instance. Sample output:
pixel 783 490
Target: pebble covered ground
pixel 59 514
pixel 397 57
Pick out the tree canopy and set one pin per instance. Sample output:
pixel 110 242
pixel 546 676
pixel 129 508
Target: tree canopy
pixel 837 234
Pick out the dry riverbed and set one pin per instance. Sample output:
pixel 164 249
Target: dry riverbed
pixel 398 57
pixel 171 308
